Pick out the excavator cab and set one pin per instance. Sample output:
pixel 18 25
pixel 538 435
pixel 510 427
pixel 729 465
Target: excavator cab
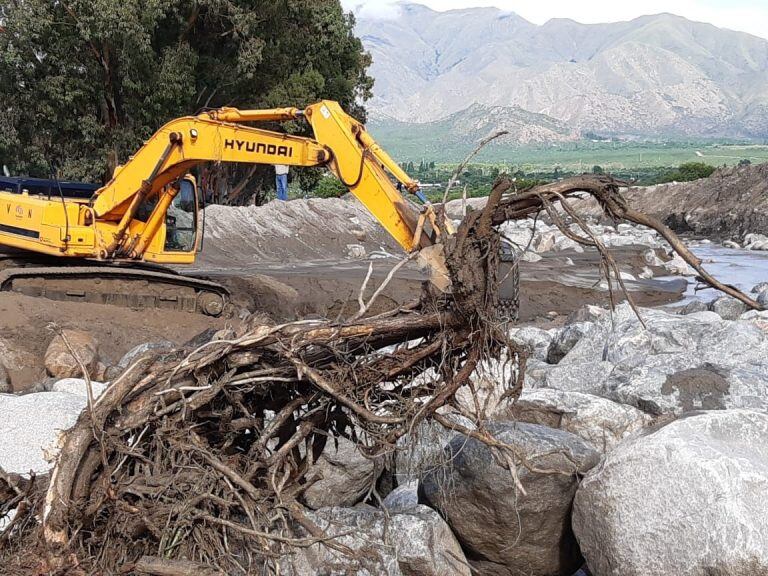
pixel 181 230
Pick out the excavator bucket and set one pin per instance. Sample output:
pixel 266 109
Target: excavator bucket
pixel 432 260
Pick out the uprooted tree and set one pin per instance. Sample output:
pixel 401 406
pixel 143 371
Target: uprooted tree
pixel 195 462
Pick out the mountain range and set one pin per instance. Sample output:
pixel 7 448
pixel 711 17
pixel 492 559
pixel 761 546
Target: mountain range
pixel 660 75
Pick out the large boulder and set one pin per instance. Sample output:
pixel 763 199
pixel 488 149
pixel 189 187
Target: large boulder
pixel 503 531
pixel 422 450
pixel 728 308
pixel 346 476
pixel 59 359
pixel 674 364
pixel 599 421
pixel 693 307
pixel 402 498
pixel 565 339
pixel 78 387
pixel 138 352
pixel 537 339
pixel 416 542
pixel 688 499
pixel 30 428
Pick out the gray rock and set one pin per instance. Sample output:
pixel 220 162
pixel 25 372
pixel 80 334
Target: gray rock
pixel 78 387
pixel 137 352
pixel 402 498
pixel 688 499
pixel 731 244
pixel 678 266
pixel 599 421
pixel 536 339
pixel 588 313
pixel 5 380
pixel 504 531
pixel 762 299
pixel 678 363
pixel 652 259
pixel 565 339
pixel 413 543
pixel 347 476
pixel 30 427
pixel 728 308
pixel 422 450
pixel 760 288
pixel 693 307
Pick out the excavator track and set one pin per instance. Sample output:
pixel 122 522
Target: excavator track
pixel 129 287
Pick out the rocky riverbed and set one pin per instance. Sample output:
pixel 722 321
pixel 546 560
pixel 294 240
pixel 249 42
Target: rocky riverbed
pixel 640 436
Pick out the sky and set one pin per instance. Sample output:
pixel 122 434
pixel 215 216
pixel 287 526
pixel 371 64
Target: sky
pixel 743 15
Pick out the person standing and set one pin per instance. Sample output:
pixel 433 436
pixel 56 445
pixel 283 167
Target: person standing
pixel 281 181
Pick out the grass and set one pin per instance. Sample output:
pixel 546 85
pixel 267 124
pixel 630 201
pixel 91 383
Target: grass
pixel 581 156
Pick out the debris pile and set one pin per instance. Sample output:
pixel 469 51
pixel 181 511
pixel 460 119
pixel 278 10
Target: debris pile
pixel 196 461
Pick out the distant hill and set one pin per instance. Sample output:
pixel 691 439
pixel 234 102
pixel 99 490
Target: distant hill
pixel 454 136
pixel 655 75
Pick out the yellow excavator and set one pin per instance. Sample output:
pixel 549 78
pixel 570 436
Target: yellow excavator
pixel 108 246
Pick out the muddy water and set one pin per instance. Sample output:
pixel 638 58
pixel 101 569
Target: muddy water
pixel 740 268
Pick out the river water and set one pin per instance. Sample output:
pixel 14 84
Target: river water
pixel 740 268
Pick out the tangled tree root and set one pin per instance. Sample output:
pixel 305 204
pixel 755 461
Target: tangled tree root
pixel 196 462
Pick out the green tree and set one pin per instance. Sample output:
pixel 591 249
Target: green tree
pixel 84 82
pixel 695 170
pixel 596 169
pixel 745 162
pixel 329 187
pixel 687 172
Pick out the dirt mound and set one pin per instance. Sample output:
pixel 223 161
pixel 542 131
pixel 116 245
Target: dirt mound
pixel 729 204
pixel 283 232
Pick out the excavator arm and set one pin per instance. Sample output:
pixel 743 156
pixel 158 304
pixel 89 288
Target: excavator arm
pixel 341 144
pixel 148 211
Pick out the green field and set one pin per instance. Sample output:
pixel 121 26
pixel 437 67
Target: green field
pixel 613 156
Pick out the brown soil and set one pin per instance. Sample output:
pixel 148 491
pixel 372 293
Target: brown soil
pixel 729 204
pixel 24 321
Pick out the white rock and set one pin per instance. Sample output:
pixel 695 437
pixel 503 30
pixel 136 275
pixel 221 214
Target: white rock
pixel 646 273
pixel 731 244
pixel 31 427
pixel 545 242
pixel 600 422
pixel 402 498
pixel 678 266
pixel 78 387
pixel 355 251
pixel 530 257
pixel 688 499
pixel 677 364
pixel 652 259
pixel 537 339
pixel 413 543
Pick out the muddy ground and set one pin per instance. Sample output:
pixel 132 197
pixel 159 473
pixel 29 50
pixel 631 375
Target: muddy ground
pixel 292 260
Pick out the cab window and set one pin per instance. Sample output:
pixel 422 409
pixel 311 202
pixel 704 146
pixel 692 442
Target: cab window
pixel 181 220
